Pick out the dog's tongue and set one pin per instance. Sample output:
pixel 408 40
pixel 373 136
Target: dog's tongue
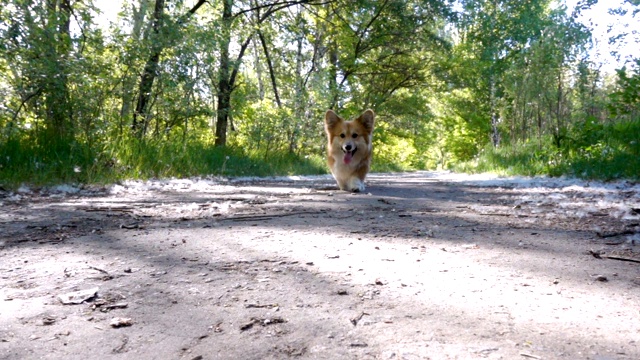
pixel 347 157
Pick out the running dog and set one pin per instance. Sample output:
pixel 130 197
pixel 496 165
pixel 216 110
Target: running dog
pixel 349 149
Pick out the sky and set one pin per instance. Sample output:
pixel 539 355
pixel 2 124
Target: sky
pixel 604 25
pixel 598 19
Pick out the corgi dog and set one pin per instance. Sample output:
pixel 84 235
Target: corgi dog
pixel 349 149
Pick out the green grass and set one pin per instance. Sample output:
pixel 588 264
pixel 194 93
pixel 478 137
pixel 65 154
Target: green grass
pixel 509 160
pixel 591 151
pixel 26 162
pixel 23 162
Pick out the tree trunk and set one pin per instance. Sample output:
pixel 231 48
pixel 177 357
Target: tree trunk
pixel 559 131
pixel 229 71
pixel 272 74
pixel 258 67
pixel 224 85
pixel 55 87
pixel 140 115
pixel 299 95
pixel 495 118
pixel 333 74
pixel 228 74
pixel 129 78
pixel 224 103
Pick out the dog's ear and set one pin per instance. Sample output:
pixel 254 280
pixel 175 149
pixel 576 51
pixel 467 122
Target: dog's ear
pixel 367 120
pixel 331 119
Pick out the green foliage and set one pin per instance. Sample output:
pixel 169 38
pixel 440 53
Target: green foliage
pixel 605 151
pixel 528 159
pixel 392 150
pixel 139 159
pixel 626 99
pixel 149 95
pixel 593 151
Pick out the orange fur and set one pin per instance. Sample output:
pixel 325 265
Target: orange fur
pixel 349 148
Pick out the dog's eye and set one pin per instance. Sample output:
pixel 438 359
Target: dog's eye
pixel 342 136
pixel 354 136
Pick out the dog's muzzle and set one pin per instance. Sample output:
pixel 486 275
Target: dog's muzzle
pixel 349 151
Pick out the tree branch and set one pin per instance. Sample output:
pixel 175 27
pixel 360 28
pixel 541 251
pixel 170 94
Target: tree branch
pixel 236 66
pixel 272 74
pixel 24 101
pixel 191 11
pixel 361 32
pixel 278 5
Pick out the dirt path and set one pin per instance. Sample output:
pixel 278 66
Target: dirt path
pixel 419 267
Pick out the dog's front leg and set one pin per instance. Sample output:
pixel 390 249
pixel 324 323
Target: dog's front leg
pixel 355 185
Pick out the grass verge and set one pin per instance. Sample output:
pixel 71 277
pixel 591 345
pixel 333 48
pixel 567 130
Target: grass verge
pixel 25 163
pixel 590 151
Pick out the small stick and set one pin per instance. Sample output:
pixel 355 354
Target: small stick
pixel 614 234
pixel 98 269
pixel 355 320
pixel 622 259
pixel 530 356
pixel 268 217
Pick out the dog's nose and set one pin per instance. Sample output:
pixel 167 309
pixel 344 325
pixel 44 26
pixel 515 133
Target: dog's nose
pixel 348 147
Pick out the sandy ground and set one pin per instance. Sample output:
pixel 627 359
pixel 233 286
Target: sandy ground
pixel 420 266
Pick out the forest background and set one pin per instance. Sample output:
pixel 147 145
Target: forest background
pixel 239 87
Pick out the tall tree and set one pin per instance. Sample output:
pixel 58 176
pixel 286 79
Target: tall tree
pixel 227 73
pixel 37 43
pixel 128 83
pixel 55 87
pixel 536 86
pixel 368 47
pixel 493 32
pixel 228 69
pixel 159 40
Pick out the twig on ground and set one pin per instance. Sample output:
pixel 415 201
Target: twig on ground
pixel 600 255
pixel 355 320
pixel 530 356
pixel 98 269
pixel 269 217
pixel 614 234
